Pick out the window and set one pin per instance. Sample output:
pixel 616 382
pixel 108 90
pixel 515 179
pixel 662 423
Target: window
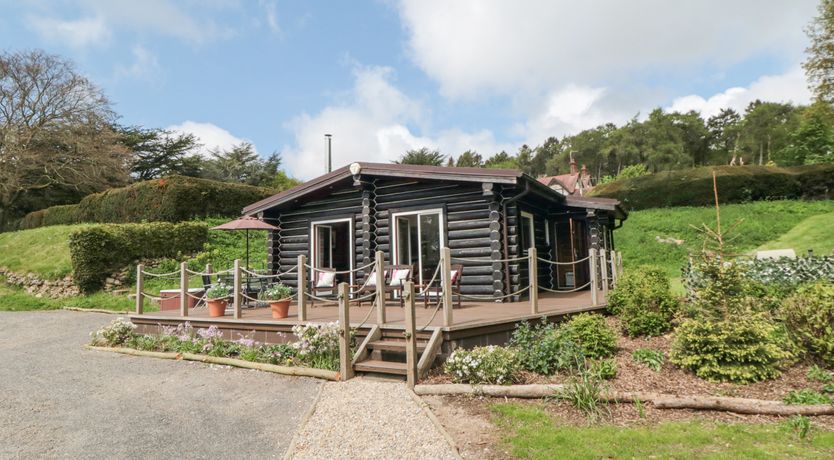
pixel 526 232
pixel 419 237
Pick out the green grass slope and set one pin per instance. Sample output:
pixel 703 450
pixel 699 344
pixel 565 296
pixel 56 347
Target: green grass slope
pixel 815 233
pixel 762 222
pixel 43 251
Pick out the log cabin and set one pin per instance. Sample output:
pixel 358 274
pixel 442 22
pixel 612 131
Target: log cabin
pixel 487 217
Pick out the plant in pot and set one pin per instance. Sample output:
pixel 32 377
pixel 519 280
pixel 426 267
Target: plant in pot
pixel 278 296
pixel 216 298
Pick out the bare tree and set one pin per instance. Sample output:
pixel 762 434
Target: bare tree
pixel 56 130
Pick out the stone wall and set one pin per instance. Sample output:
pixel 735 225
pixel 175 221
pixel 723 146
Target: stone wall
pixel 39 287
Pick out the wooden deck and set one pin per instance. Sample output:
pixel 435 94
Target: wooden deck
pixel 472 319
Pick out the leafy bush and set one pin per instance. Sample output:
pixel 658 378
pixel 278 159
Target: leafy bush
pixel 591 334
pixel 98 251
pixel 605 369
pixel 170 199
pixel 276 292
pixel 318 344
pixel 218 292
pixel 584 392
pixel 484 365
pixel 807 397
pixel 744 349
pixel 693 186
pixel 809 316
pixel 819 374
pixel 653 359
pixel 545 349
pixel 644 301
pixel 118 332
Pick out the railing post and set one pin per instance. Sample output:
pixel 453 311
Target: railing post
pixel 619 262
pixel 594 287
pixel 345 364
pixel 410 336
pixel 379 268
pixel 302 284
pixel 183 289
pixel 446 286
pixel 603 265
pixel 614 273
pixel 236 296
pixel 140 287
pixel 533 274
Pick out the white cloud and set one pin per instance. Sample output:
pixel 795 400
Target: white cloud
pixel 788 87
pixel 145 64
pixel 372 125
pixel 565 111
pixel 209 135
pixel 270 10
pixel 472 46
pixel 76 33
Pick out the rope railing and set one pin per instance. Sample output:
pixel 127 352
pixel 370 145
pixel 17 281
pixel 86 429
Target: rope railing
pixel 431 281
pixel 511 259
pixel 553 262
pixel 494 297
pixel 565 291
pixel 338 272
pixel 161 275
pixel 254 274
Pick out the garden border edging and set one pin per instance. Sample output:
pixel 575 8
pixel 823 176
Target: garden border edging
pixel 274 368
pixel 659 400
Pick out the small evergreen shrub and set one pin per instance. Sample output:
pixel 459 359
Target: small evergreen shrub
pixel 98 251
pixel 545 349
pixel 484 365
pixel 591 334
pixel 809 318
pixel 644 302
pixel 743 349
pixel 653 359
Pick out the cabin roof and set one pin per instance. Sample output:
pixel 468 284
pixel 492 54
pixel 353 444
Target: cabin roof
pixel 498 176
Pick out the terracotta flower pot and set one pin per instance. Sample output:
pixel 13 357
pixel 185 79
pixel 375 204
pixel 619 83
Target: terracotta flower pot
pixel 216 307
pixel 280 309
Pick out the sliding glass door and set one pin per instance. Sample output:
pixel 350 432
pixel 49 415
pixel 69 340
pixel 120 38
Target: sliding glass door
pixel 418 238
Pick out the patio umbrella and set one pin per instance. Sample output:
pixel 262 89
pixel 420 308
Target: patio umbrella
pixel 246 223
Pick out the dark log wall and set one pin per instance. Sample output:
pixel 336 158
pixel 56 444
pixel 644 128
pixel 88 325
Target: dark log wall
pixel 519 270
pixel 469 218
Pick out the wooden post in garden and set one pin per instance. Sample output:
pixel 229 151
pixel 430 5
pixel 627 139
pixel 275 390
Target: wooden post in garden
pixel 594 287
pixel 302 284
pixel 379 268
pixel 140 287
pixel 410 336
pixel 446 284
pixel 612 261
pixel 236 297
pixel 183 289
pixel 533 274
pixel 603 265
pixel 345 364
pixel 620 262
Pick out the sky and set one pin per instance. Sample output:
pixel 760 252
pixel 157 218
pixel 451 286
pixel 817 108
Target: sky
pixel 387 76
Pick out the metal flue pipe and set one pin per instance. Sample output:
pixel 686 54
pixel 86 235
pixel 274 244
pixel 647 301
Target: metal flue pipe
pixel 327 148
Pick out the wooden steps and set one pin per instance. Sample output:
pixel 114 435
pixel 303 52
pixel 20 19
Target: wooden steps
pixel 383 352
pixel 378 366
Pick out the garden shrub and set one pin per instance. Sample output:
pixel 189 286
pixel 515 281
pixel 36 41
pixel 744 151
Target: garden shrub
pixel 591 334
pixel 98 251
pixel 694 186
pixel 318 344
pixel 484 365
pixel 744 349
pixel 545 349
pixel 809 318
pixel 118 332
pixel 604 369
pixel 806 397
pixel 644 302
pixel 170 199
pixel 819 374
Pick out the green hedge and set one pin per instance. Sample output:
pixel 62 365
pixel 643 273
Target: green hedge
pixel 171 199
pixel 99 251
pixel 736 184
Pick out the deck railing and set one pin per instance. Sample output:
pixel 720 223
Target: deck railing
pixel 604 268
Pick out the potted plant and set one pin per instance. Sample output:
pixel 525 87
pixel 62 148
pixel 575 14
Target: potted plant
pixel 278 296
pixel 217 298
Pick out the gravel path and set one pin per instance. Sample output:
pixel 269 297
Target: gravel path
pixel 364 418
pixel 59 400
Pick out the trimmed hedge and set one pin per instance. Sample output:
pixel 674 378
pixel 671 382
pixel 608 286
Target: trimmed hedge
pixel 99 251
pixel 170 199
pixel 736 184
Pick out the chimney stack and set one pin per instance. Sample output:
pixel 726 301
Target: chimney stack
pixel 572 165
pixel 327 148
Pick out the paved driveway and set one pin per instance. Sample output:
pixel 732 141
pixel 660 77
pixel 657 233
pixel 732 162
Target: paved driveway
pixel 60 400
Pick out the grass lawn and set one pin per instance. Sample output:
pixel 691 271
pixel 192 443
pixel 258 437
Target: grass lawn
pixel 43 251
pixel 762 222
pixel 15 299
pixel 816 232
pixel 531 433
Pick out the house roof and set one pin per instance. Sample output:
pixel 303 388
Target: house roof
pixel 567 181
pixel 498 176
